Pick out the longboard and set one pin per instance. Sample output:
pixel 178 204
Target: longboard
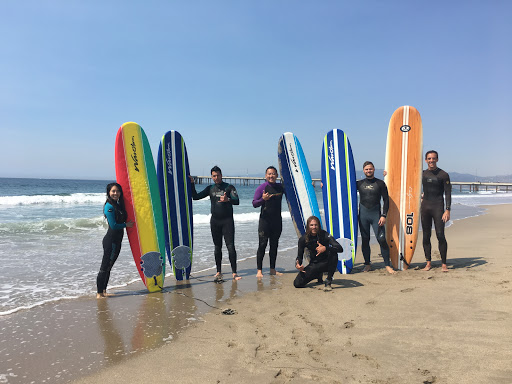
pixel 135 172
pixel 297 182
pixel 403 179
pixel 339 191
pixel 176 197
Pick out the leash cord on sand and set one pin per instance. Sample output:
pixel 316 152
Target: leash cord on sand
pixel 227 311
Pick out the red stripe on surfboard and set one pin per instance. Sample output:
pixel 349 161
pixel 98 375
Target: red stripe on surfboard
pixel 124 180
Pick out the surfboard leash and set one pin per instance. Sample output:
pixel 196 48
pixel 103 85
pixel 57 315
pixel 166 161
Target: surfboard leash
pixel 402 258
pixel 227 311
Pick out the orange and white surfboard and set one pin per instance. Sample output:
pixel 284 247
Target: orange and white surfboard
pixel 404 170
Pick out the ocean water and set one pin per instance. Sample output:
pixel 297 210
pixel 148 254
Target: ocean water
pixel 51 233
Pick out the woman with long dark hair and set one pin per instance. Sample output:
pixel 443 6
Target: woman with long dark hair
pixel 115 213
pixel 323 253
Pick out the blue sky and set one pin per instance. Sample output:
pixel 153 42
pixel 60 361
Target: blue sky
pixel 232 76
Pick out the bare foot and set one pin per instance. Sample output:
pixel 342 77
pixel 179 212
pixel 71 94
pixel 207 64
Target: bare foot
pixel 367 268
pixel 444 268
pixel 100 296
pixel 390 270
pixel 275 273
pixel 105 294
pixel 428 267
pixel 236 277
pixel 259 274
pixel 218 278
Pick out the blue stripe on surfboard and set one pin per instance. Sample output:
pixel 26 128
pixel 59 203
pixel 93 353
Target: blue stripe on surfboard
pixel 353 187
pixel 297 207
pixel 344 216
pixel 182 195
pixel 161 185
pixel 289 185
pixel 334 209
pixel 313 203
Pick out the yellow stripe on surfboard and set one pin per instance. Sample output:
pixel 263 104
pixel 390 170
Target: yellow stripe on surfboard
pixel 142 204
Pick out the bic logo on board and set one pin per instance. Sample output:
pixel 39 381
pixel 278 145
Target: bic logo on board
pixel 405 128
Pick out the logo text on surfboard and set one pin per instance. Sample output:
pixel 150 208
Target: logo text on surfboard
pixel 169 159
pixel 331 155
pixel 294 162
pixel 405 128
pixel 134 155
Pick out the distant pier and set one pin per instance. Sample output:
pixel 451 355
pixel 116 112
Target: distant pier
pixel 477 186
pixel 456 185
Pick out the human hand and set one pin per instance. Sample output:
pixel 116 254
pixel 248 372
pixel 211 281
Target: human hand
pixel 224 198
pixel 300 267
pixel 191 179
pixel 446 216
pixel 266 196
pixel 320 249
pixel 382 221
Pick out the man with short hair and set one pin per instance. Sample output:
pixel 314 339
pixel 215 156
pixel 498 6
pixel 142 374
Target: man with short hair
pixel 222 197
pixel 436 183
pixel 371 191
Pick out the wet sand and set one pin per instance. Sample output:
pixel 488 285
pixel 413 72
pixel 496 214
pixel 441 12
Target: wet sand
pixel 413 327
pixel 60 342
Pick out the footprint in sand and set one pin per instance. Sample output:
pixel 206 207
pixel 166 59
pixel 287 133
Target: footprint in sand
pixel 348 324
pixel 407 290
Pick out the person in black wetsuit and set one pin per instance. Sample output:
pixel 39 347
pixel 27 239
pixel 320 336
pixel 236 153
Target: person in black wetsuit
pixel 222 197
pixel 115 213
pixel 268 196
pixel 323 254
pixel 371 190
pixel 436 183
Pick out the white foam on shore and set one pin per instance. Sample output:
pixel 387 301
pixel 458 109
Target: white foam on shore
pixel 71 199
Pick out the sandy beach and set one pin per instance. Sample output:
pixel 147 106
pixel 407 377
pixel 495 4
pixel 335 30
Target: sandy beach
pixel 413 327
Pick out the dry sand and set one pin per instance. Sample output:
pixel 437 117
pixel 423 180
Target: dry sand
pixel 412 327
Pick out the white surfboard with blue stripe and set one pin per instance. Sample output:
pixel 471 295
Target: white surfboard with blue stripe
pixel 339 192
pixel 176 198
pixel 297 182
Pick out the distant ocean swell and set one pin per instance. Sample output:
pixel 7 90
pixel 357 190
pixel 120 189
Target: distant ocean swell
pixel 69 225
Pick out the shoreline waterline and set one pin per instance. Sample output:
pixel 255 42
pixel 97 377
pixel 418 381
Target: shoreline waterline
pixel 109 331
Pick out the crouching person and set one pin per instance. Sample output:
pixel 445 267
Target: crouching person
pixel 323 254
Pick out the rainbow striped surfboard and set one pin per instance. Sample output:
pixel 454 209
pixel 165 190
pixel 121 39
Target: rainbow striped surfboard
pixel 339 191
pixel 135 172
pixel 176 197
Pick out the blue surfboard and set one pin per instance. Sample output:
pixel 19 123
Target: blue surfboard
pixel 297 182
pixel 176 198
pixel 339 192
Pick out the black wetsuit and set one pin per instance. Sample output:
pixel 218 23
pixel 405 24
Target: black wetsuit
pixel 221 222
pixel 116 217
pixel 324 262
pixel 270 224
pixel 435 184
pixel 370 193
